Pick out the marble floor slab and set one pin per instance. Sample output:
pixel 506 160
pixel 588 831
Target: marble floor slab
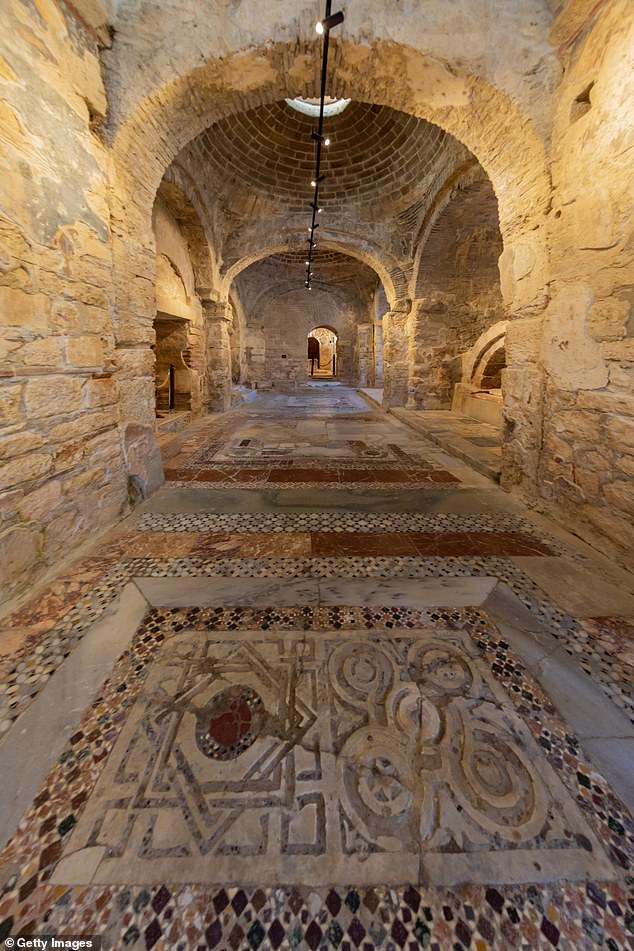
pixel 578 589
pixel 364 499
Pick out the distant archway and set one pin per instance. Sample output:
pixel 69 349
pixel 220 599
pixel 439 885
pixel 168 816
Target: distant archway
pixel 322 353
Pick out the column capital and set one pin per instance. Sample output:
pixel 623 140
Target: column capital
pixel 215 310
pixel 401 306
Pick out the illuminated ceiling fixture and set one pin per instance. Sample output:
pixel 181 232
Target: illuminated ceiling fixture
pixel 323 28
pixel 329 21
pixel 310 107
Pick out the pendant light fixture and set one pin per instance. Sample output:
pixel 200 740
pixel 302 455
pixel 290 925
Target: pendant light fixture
pixel 323 28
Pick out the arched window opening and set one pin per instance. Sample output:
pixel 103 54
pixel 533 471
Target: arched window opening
pixel 492 375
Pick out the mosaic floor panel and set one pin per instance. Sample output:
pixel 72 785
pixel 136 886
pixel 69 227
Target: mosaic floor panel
pixel 163 914
pixel 336 522
pixel 26 671
pixel 377 760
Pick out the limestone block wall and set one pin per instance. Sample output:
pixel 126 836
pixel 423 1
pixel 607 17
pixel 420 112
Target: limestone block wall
pixel 587 350
pixel 381 307
pixel 62 473
pixel 183 344
pixel 285 323
pixel 457 291
pixel 364 355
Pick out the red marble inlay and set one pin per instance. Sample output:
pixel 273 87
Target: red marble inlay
pixel 230 726
pixel 306 474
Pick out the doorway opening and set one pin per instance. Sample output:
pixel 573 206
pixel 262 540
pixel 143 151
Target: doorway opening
pixel 172 375
pixel 322 353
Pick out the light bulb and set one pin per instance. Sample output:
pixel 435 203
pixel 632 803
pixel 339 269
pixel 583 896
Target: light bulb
pixel 319 28
pixel 313 183
pixel 319 211
pixel 326 141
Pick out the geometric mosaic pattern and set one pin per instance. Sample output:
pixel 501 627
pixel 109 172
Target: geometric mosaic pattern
pixel 586 916
pixel 377 760
pixel 326 521
pixel 604 656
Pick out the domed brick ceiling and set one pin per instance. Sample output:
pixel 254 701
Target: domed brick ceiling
pixel 377 155
pixel 329 267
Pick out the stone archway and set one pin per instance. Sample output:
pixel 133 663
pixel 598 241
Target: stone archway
pixel 183 266
pixel 467 106
pixel 375 258
pixel 325 367
pixel 456 288
pixel 279 313
pixel 479 391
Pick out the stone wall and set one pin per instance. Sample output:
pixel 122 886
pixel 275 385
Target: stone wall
pixel 180 330
pixel 62 476
pixel 456 290
pixel 281 328
pixel 587 350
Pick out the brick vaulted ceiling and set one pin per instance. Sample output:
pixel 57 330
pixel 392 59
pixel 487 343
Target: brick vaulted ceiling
pixel 378 157
pixel 331 266
pixel 337 272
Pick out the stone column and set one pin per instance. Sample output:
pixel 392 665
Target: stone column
pixel 134 313
pixel 364 354
pixel 218 317
pixel 378 353
pixel 396 353
pixel 430 353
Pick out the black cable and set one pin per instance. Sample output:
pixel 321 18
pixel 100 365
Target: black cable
pixel 318 137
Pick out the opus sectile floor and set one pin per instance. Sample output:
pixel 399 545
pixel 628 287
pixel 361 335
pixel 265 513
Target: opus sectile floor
pixel 315 437
pixel 315 762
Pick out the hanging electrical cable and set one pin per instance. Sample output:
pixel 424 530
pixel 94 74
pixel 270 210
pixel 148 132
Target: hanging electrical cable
pixel 323 28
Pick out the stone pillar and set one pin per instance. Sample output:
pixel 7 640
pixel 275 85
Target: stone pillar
pixel 396 354
pixel 218 317
pixel 364 354
pixel 133 324
pixel 431 350
pixel 378 353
